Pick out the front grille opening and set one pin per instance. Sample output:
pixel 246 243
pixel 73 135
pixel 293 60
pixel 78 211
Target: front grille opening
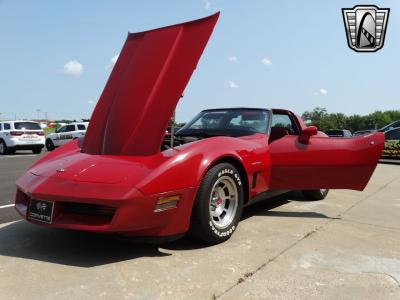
pixel 88 209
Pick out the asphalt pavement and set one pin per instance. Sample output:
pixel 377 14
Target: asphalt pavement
pixel 12 166
pixel 344 247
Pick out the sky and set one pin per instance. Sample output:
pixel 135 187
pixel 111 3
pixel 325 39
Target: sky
pixel 56 56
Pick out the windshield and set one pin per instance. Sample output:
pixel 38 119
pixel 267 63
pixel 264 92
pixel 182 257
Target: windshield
pixel 27 126
pixel 229 122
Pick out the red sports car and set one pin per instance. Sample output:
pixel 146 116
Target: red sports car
pixel 122 179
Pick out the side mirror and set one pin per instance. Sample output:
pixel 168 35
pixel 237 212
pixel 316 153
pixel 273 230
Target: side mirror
pixel 306 133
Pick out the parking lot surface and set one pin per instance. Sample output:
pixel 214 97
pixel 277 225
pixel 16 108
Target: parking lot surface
pixel 344 247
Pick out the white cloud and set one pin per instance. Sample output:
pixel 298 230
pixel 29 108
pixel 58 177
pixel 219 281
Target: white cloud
pixel 233 59
pixel 266 61
pixel 207 4
pixel 233 85
pixel 72 67
pixel 323 91
pixel 112 62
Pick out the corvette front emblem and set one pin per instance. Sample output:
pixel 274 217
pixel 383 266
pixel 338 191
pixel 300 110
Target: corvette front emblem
pixel 365 27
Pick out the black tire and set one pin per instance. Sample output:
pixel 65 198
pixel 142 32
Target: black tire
pixel 3 148
pixel 37 150
pixel 315 195
pixel 203 226
pixel 49 145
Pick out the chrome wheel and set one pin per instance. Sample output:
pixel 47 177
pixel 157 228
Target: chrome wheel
pixel 223 202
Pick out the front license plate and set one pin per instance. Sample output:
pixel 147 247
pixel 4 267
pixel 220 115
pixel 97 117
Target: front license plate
pixel 40 210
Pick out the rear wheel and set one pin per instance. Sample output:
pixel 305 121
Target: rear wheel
pixel 49 145
pixel 3 148
pixel 315 194
pixel 37 151
pixel 218 205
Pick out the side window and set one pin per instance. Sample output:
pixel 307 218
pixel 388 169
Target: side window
pixel 285 121
pixel 70 128
pixel 81 127
pixel 7 126
pixel 62 129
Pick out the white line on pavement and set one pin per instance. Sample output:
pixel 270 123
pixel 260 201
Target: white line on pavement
pixel 8 205
pixel 15 156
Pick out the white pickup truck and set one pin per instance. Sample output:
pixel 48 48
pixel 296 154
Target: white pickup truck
pixel 20 135
pixel 64 134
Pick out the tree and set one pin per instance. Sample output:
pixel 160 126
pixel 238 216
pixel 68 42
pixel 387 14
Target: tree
pixel 320 117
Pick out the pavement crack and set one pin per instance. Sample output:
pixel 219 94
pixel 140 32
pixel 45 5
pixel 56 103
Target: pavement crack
pixel 248 275
pixel 369 224
pixel 338 217
pixel 385 274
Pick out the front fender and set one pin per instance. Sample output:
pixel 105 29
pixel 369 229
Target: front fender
pixel 189 163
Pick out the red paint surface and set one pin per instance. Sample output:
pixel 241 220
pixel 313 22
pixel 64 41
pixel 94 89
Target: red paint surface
pixel 119 165
pixel 144 87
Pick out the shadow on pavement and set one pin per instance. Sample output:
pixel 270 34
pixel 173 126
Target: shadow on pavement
pixel 76 248
pixel 263 208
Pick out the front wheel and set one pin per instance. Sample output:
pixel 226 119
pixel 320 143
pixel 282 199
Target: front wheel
pixel 315 195
pixel 49 145
pixel 218 205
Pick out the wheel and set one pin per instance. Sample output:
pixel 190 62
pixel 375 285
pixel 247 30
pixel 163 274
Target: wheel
pixel 37 151
pixel 218 205
pixel 49 145
pixel 315 194
pixel 3 148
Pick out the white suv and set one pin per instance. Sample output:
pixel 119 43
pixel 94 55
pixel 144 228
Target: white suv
pixel 65 134
pixel 20 135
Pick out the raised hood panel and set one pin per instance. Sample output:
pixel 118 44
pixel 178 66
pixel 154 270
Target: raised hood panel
pixel 144 88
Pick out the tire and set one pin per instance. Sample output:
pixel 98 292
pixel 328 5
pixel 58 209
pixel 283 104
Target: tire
pixel 37 151
pixel 315 195
pixel 3 148
pixel 218 205
pixel 49 145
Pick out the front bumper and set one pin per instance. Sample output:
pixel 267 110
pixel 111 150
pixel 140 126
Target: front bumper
pixel 105 208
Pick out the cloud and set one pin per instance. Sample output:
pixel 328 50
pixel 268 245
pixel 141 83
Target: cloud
pixel 207 4
pixel 323 91
pixel 112 62
pixel 72 67
pixel 233 59
pixel 266 61
pixel 233 85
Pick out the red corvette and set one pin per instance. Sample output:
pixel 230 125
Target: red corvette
pixel 121 178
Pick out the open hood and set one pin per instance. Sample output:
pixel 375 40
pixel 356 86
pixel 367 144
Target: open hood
pixel 144 88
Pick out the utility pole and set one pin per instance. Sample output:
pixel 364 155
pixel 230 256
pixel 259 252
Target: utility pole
pixel 38 113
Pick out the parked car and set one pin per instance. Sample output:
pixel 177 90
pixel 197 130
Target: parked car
pixel 20 135
pixel 395 124
pixel 65 134
pixel 392 144
pixel 118 180
pixel 339 133
pixel 362 132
